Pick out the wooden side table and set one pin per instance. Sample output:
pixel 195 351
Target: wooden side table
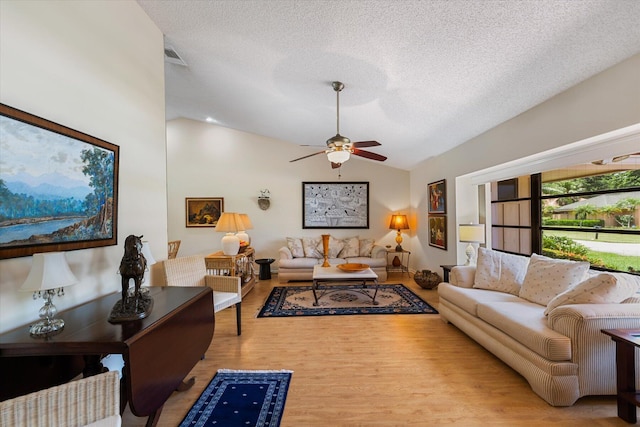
pixel 241 265
pixel 446 269
pixel 628 397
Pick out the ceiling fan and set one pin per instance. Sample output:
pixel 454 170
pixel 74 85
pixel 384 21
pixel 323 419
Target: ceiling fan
pixel 613 159
pixel 340 148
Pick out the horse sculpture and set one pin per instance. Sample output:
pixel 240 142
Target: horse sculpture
pixel 132 266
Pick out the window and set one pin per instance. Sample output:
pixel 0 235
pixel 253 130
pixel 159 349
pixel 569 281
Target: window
pixel 588 212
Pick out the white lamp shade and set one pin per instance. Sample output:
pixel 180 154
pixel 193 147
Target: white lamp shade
pixel 338 156
pixel 49 271
pixel 471 233
pixel 146 251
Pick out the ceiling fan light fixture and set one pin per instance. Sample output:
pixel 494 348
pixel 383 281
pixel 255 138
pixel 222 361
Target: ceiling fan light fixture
pixel 338 156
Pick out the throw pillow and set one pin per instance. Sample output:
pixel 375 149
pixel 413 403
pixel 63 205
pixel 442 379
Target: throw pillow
pixel 600 289
pixel 310 247
pixel 548 277
pixel 498 271
pixel 351 247
pixel 366 246
pixel 295 246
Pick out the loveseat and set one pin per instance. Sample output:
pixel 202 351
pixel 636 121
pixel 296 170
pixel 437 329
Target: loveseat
pixel 543 318
pixel 299 256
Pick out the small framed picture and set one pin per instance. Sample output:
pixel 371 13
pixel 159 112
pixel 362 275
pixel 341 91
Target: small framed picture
pixel 438 231
pixel 203 211
pixel 437 196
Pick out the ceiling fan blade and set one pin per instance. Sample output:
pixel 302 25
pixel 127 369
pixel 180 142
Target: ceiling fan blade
pixel 304 157
pixel 366 144
pixel 369 155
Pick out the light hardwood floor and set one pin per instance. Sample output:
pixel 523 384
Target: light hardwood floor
pixel 378 370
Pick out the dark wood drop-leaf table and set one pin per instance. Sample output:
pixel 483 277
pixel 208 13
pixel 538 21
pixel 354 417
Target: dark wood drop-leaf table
pixel 159 351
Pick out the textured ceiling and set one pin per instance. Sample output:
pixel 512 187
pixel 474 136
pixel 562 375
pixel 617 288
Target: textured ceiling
pixel 420 76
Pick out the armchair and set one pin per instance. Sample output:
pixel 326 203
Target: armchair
pixel 192 271
pixel 91 401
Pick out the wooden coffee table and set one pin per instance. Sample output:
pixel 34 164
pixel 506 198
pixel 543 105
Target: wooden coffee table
pixel 333 275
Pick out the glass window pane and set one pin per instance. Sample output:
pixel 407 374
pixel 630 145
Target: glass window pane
pixel 607 250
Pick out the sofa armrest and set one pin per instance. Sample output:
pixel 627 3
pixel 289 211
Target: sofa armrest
pixel 463 276
pixel 574 319
pixel 285 253
pixel 378 251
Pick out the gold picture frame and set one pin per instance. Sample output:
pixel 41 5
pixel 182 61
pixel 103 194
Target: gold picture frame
pixel 203 211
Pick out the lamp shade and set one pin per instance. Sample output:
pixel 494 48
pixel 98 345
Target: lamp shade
pixel 49 271
pixel 399 222
pixel 338 156
pixel 246 221
pixel 146 251
pixel 471 233
pixel 229 222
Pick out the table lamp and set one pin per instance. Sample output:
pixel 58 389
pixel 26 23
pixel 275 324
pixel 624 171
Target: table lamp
pixel 399 222
pixel 242 234
pixel 230 223
pixel 48 276
pixel 146 251
pixel 471 233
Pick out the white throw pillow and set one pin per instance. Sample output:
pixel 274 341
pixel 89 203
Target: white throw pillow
pixel 548 277
pixel 351 247
pixel 601 289
pixel 295 246
pixel 366 246
pixel 499 271
pixel 310 247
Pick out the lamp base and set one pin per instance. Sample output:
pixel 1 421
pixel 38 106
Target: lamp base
pixel 46 328
pixel 399 248
pixel 470 252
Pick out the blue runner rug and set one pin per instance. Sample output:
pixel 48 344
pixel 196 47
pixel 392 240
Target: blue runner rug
pixel 292 301
pixel 241 398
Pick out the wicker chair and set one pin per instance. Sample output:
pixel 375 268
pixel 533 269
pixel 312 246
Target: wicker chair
pixel 192 271
pixel 174 245
pixel 77 403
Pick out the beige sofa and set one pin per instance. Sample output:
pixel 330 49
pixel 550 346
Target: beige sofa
pixel 544 319
pixel 299 256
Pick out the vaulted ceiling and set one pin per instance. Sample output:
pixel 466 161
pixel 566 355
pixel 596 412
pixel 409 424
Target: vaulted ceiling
pixel 420 76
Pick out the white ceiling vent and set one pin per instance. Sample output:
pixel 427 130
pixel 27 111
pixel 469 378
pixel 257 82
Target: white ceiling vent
pixel 170 55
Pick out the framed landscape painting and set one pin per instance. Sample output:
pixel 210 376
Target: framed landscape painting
pixel 438 231
pixel 335 205
pixel 203 211
pixel 58 187
pixel 437 196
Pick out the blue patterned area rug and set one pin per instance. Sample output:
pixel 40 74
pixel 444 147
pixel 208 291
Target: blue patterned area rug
pixel 241 398
pixel 291 301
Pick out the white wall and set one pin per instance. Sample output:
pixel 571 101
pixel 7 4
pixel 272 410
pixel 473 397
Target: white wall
pixel 205 160
pixel 96 67
pixel 599 105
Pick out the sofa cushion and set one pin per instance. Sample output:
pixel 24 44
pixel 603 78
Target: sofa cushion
pixel 526 323
pixel 548 277
pixel 366 246
pixel 499 271
pixel 310 247
pixel 468 298
pixel 602 288
pixel 295 246
pixel 335 246
pixel 307 262
pixel 350 248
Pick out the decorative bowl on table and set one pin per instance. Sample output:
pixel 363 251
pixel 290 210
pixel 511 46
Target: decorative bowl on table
pixel 353 267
